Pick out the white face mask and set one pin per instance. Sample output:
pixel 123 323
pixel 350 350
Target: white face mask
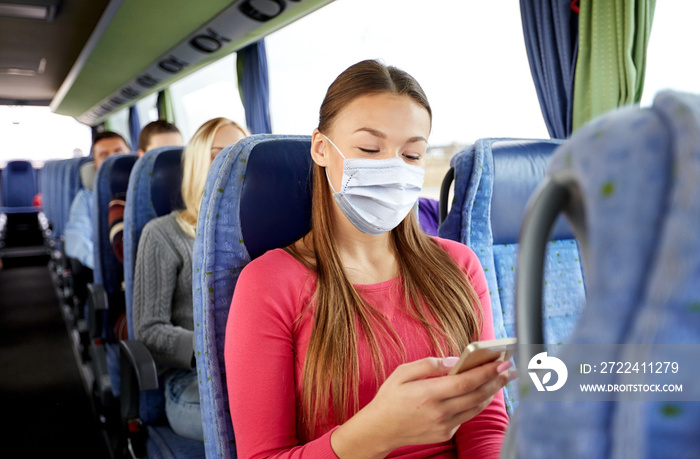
pixel 377 194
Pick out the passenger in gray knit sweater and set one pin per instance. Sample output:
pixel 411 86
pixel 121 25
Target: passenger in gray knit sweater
pixel 162 296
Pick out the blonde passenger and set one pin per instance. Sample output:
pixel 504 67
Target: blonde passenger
pixel 162 299
pixel 339 345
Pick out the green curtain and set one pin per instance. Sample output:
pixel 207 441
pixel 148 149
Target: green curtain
pixel 613 39
pixel 164 103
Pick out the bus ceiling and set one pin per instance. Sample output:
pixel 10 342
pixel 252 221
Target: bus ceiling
pixel 90 58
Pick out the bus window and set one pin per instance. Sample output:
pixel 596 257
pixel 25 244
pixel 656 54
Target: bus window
pixel 478 86
pixel 37 134
pixel 147 109
pixel 119 123
pixel 666 67
pixel 207 93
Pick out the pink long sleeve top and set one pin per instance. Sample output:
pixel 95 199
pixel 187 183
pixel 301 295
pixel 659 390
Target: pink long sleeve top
pixel 266 347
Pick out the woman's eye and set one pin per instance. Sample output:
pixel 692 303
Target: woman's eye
pixel 368 150
pixel 411 157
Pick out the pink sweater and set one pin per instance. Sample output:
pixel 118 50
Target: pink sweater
pixel 265 352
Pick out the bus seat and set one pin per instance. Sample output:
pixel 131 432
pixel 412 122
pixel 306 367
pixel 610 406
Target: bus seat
pixel 493 180
pixel 240 220
pixel 153 191
pixel 69 184
pixel 106 296
pixel 19 186
pixel 634 174
pixel 47 188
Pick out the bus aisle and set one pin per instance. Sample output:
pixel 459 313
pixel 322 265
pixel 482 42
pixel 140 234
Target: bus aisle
pixel 45 405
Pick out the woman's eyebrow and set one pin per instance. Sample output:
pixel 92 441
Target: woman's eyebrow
pixel 381 135
pixel 374 132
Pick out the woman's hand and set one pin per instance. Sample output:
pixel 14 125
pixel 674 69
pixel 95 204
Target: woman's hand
pixel 418 404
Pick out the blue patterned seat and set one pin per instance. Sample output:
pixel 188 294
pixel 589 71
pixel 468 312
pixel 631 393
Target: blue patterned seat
pixel 153 191
pixel 493 180
pixel 106 302
pixel 638 175
pixel 257 197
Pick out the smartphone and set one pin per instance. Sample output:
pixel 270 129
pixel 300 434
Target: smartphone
pixel 481 352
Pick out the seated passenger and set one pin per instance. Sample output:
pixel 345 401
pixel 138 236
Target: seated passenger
pixel 79 227
pixel 162 297
pixel 338 345
pixel 159 133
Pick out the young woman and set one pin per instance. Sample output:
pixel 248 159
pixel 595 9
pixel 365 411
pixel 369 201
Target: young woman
pixel 340 344
pixel 162 300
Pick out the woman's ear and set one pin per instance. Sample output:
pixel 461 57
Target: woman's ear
pixel 319 153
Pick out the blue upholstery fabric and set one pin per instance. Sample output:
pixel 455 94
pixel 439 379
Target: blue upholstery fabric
pixel 19 187
pixel 50 194
pixel 68 186
pixel 112 178
pixel 45 179
pixel 257 197
pixel 639 176
pixel 494 178
pixel 670 311
pixel 163 443
pixel 154 190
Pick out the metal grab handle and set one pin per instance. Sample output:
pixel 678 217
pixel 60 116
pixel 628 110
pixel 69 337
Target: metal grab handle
pixel 445 193
pixel 542 210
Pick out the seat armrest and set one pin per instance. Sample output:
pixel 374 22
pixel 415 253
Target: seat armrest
pixel 139 363
pixel 138 374
pixel 97 304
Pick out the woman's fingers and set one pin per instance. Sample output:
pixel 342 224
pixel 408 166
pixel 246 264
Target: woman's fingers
pixel 471 403
pixel 424 368
pixel 455 385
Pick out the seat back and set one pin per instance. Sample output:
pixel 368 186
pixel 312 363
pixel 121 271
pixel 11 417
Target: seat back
pixel 111 181
pixel 68 186
pixel 153 191
pixel 638 178
pixel 494 178
pixel 19 186
pixel 50 194
pixel 257 197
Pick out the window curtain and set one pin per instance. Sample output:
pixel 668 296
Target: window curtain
pixel 613 39
pixel 134 127
pixel 551 38
pixel 253 85
pixel 96 130
pixel 164 103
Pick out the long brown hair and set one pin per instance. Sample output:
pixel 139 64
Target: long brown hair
pixel 435 286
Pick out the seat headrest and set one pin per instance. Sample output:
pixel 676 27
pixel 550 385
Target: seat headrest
pixel 119 175
pixel 166 181
pixel 18 166
pixel 519 167
pixel 276 195
pixel 87 175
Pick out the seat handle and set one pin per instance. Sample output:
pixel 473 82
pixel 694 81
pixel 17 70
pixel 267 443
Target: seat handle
pixel 445 193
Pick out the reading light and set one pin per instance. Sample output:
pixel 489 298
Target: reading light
pixel 17 71
pixel 21 11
